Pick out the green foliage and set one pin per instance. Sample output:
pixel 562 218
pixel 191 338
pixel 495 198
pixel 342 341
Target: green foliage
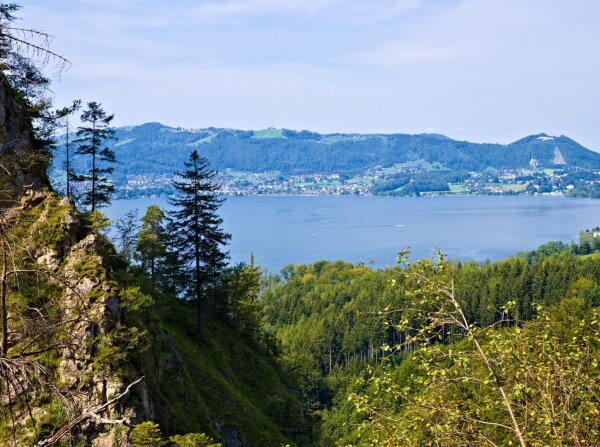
pixel 92 137
pixel 548 369
pixel 134 300
pixel 222 382
pixel 151 240
pixel 193 440
pixel 197 232
pixel 112 351
pixel 95 222
pixel 589 243
pixel 90 266
pixel 241 286
pixel 348 317
pixel 54 417
pixel 147 434
pixel 45 224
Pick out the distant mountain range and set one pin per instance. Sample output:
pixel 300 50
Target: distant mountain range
pixel 154 148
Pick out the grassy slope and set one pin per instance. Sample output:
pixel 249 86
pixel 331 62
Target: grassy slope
pixel 221 387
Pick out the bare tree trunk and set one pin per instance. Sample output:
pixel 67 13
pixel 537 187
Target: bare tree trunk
pixel 68 163
pixel 198 288
pixel 199 313
pixel 92 413
pixel 94 174
pixel 3 309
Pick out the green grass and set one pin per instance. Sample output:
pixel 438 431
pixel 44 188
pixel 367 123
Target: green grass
pixel 268 133
pixel 222 381
pixel 514 187
pixel 334 138
pixel 595 256
pixel 323 183
pixel 360 181
pixel 456 188
pixel 44 221
pixel 207 139
pixel 417 164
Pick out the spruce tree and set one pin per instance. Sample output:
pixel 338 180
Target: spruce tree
pixel 197 227
pixel 173 276
pixel 92 137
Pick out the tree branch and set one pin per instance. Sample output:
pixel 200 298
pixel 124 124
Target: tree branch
pixel 89 414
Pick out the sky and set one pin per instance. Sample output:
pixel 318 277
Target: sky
pixel 477 70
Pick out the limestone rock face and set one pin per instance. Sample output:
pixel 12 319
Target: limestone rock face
pixel 47 231
pixel 22 167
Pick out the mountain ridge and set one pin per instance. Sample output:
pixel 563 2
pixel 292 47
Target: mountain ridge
pixel 297 152
pixel 433 135
pixel 279 160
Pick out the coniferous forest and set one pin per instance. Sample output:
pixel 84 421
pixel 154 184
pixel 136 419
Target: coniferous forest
pixel 141 333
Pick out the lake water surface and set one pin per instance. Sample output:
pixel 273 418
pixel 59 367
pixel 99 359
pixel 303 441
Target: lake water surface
pixel 282 230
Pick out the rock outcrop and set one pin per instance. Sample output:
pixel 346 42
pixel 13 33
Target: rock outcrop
pixel 42 233
pixel 87 300
pixel 22 165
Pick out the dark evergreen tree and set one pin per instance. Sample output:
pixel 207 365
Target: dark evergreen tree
pixel 197 228
pixel 92 137
pixel 172 274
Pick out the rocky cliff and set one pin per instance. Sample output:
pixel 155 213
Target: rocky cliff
pixel 58 305
pixel 72 335
pixel 85 355
pixel 22 165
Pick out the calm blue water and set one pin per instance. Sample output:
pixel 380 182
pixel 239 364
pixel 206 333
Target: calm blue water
pixel 283 230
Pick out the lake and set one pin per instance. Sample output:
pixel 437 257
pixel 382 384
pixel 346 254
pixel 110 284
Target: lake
pixel 282 230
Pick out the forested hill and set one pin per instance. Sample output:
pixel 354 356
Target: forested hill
pixel 153 148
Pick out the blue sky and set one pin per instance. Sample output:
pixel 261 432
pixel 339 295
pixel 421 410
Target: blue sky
pixel 480 70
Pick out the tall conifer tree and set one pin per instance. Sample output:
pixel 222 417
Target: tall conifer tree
pixel 197 228
pixel 173 276
pixel 92 137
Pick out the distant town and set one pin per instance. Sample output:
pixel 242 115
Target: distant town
pixel 399 180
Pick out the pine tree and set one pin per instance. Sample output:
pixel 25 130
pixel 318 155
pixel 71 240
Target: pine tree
pixel 199 236
pixel 91 138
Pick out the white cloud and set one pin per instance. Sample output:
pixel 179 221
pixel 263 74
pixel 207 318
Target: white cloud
pixel 506 66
